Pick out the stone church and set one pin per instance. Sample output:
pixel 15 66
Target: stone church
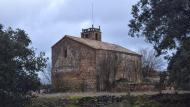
pixel 88 64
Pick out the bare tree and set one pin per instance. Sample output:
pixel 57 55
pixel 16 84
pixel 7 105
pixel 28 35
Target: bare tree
pixel 46 75
pixel 150 61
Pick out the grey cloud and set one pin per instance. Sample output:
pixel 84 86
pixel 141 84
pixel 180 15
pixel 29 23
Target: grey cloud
pixel 104 10
pixel 47 21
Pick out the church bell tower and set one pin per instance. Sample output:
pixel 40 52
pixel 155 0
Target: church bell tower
pixel 92 33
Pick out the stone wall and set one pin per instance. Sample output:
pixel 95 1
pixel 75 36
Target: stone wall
pixel 76 70
pixel 126 67
pixel 77 67
pixel 128 87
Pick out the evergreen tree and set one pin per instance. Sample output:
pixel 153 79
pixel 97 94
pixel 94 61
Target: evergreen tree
pixel 165 24
pixel 18 67
pixel 179 67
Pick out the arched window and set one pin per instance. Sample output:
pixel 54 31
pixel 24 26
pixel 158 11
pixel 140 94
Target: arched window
pixel 65 53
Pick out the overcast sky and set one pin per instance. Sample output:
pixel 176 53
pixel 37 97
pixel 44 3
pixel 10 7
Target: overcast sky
pixel 47 21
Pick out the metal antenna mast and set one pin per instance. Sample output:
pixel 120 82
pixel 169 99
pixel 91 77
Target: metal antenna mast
pixel 92 13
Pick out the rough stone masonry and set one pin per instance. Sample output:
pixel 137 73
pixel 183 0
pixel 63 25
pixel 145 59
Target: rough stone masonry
pixel 88 64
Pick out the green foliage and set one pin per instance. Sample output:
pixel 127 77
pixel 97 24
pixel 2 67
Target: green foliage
pixel 179 67
pixel 145 101
pixel 18 67
pixel 160 100
pixel 47 102
pixel 55 102
pixel 172 100
pixel 164 23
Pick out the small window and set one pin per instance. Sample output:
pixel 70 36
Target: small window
pixel 96 36
pixel 65 53
pixel 86 36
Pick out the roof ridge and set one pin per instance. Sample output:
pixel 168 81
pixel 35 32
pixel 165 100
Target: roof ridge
pixel 93 40
pixel 101 45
